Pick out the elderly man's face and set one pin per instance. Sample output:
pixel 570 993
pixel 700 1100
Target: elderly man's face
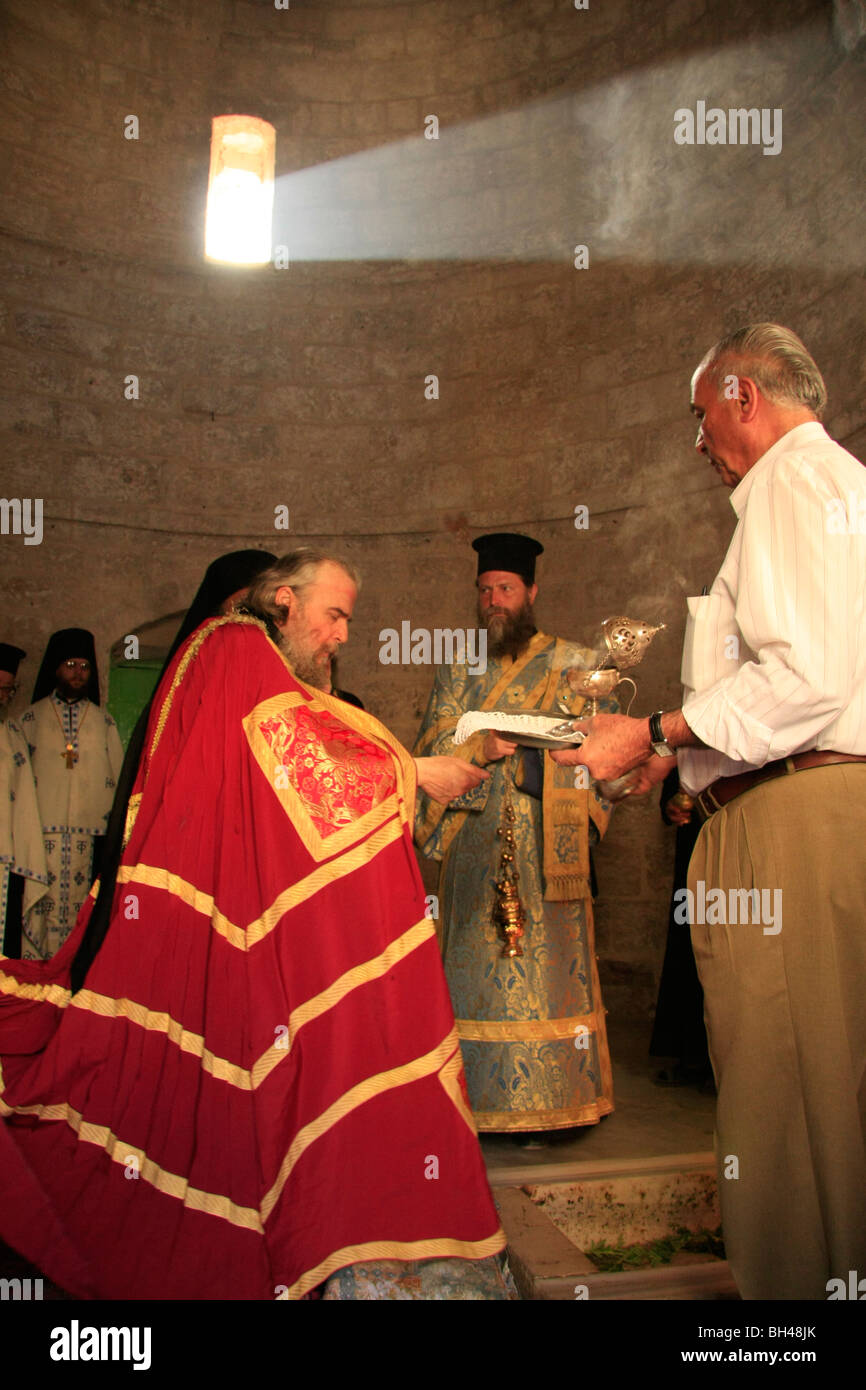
pixel 720 437
pixel 317 624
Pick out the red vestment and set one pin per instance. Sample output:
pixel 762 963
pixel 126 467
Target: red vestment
pixel 260 1082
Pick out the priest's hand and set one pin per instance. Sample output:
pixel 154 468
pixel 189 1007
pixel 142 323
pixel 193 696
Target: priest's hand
pixel 496 747
pixel 614 744
pixel 444 779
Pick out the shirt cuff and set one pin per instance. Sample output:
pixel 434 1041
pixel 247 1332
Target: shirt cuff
pixel 722 725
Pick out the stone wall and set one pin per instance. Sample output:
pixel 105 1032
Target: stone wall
pixel 558 386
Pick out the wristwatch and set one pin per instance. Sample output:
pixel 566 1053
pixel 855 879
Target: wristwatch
pixel 658 741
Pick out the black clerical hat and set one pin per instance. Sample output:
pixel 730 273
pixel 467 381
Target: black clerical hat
pixel 10 657
pixel 69 642
pixel 506 550
pixel 223 577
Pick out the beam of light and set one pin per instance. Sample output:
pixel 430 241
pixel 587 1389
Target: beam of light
pixel 240 191
pixel 598 167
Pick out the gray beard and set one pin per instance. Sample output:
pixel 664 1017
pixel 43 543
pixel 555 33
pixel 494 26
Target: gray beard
pixel 304 667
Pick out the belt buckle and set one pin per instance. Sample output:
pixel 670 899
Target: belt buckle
pixel 706 803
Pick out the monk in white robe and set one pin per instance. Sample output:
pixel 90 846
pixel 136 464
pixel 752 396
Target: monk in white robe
pixel 76 754
pixel 23 874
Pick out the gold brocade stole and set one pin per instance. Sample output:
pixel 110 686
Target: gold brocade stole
pixel 565 808
pixel 564 815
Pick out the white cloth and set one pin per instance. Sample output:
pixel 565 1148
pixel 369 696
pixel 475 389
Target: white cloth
pixel 774 660
pixel 22 850
pixel 76 798
pixel 76 754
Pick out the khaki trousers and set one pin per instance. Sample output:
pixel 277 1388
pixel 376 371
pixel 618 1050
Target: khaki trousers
pixel 786 1018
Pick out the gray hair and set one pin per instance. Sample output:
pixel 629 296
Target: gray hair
pixel 775 359
pixel 299 570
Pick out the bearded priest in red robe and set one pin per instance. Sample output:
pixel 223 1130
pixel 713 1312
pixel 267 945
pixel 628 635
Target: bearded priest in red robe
pixel 259 1085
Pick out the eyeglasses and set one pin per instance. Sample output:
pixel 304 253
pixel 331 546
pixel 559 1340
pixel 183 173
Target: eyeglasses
pixel 75 665
pixel 9 689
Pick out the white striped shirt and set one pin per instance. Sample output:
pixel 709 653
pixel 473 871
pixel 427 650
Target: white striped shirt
pixel 774 660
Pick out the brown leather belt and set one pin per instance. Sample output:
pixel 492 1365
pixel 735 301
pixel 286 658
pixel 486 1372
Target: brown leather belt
pixel 720 792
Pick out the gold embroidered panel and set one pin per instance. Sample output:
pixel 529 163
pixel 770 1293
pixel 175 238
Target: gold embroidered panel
pixel 335 784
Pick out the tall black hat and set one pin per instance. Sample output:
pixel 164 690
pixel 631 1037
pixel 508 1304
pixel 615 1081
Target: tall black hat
pixel 509 551
pixel 10 657
pixel 222 578
pixel 69 642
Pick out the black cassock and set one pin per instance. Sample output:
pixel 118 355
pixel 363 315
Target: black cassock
pixel 679 1023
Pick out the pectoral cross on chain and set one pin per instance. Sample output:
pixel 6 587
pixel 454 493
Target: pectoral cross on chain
pixel 70 756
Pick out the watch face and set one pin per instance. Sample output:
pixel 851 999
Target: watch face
pixel 664 750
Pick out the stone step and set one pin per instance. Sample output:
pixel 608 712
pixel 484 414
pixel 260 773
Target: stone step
pixel 550 1212
pixel 577 1170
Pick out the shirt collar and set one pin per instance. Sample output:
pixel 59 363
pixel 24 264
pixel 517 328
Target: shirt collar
pixel 798 436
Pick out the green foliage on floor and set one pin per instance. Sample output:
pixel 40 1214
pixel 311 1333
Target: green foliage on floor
pixel 614 1259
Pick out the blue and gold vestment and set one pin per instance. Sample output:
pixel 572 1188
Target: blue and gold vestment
pixel 532 1028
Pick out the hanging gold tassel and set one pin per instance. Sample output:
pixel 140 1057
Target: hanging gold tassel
pixel 508 913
